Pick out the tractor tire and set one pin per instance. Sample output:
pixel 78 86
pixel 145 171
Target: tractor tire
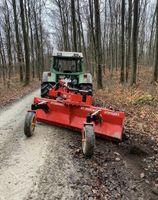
pixel 87 87
pixel 45 87
pixel 29 126
pixel 88 140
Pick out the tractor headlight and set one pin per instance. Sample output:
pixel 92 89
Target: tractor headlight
pixel 74 81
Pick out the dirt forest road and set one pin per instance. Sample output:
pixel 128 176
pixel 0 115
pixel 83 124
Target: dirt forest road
pixel 50 165
pixel 22 159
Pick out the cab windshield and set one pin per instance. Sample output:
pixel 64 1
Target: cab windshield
pixel 67 65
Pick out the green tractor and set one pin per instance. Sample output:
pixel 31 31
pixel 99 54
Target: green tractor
pixel 67 67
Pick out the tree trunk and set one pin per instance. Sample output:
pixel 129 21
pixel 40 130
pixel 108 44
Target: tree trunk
pixel 64 23
pixel 92 26
pixel 2 55
pixel 32 41
pixel 79 27
pixel 128 58
pixel 82 34
pixel 151 40
pixel 122 43
pixel 111 38
pixel 19 49
pixel 155 75
pixel 26 44
pixel 37 41
pixel 41 39
pixel 135 41
pixel 98 44
pixel 73 18
pixel 8 39
pixel 116 40
pixel 104 33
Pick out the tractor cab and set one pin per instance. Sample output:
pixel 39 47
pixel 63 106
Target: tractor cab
pixel 69 63
pixel 69 68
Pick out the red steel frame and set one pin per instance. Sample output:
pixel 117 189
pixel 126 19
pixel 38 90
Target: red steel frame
pixel 72 112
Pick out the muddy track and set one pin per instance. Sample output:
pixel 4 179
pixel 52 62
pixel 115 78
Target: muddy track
pixel 50 165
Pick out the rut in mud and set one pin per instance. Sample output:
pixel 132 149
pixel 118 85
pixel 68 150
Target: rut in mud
pixel 50 165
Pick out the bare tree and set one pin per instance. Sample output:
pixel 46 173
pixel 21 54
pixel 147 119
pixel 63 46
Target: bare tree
pixel 155 75
pixel 151 41
pixel 73 19
pixel 18 44
pixel 26 43
pixel 135 41
pixel 32 45
pixel 128 57
pixel 122 43
pixel 8 38
pixel 3 59
pixel 98 44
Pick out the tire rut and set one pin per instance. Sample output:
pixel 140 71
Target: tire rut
pixel 58 177
pixel 19 171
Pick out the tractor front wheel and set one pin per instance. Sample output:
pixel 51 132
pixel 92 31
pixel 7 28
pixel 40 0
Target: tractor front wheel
pixel 45 87
pixel 44 90
pixel 87 87
pixel 88 140
pixel 29 126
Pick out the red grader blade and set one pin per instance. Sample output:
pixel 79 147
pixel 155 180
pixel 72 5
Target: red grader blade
pixel 72 108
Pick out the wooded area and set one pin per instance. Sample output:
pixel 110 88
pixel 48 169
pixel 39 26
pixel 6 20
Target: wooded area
pixel 115 34
pixel 24 43
pixel 119 35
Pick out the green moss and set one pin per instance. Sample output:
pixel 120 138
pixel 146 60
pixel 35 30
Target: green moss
pixel 143 99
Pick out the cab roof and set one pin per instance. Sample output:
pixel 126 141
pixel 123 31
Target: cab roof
pixel 67 54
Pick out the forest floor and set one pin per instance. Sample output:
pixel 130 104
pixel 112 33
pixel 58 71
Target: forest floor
pixel 51 165
pixel 139 152
pixel 14 90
